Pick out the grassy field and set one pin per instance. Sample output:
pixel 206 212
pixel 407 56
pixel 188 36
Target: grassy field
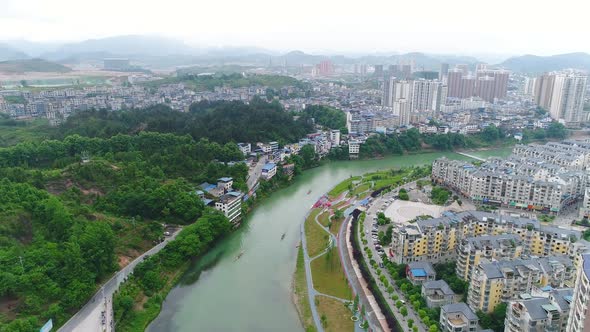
pixel 324 218
pixel 328 275
pixel 336 225
pixel 317 238
pixel 337 316
pixel 301 298
pixel 342 187
pixel 361 188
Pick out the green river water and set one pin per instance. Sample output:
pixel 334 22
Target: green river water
pixel 220 293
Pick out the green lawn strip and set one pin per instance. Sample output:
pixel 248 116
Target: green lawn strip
pixel 324 218
pixel 301 297
pixel 336 315
pixel 317 237
pixel 328 275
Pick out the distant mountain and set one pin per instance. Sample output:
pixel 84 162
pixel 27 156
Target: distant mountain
pixel 32 65
pixel 33 49
pixel 538 64
pixel 122 46
pixel 9 53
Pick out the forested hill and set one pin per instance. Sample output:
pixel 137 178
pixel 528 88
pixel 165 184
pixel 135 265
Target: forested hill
pixel 219 121
pixel 73 211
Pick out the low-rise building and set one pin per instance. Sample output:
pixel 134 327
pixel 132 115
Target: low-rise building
pixel 246 148
pixel 420 272
pixel 538 314
pixel 458 317
pixel 268 171
pixel 225 183
pixel 231 206
pixel 354 147
pixel 437 293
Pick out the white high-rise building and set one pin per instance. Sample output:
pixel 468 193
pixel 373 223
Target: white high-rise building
pixel 388 92
pixel 402 108
pixel 580 307
pixel 567 99
pixel 426 95
pixel 562 94
pixel 529 86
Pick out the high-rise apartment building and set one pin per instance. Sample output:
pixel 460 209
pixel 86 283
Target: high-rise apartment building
pixel 529 86
pixel 540 313
pixel 425 95
pixel 325 68
pixel 378 70
pixel 485 88
pixel 402 108
pixel 443 71
pixel 454 77
pixel 562 94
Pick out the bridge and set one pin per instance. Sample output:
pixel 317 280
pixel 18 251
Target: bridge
pixel 471 156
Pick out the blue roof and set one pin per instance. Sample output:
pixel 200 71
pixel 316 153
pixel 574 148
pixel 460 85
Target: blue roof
pixel 418 272
pixel 268 166
pixel 206 201
pixel 234 193
pixel 225 179
pixel 547 288
pixel 210 187
pixel 364 201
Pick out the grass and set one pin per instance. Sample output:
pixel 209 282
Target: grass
pixel 337 316
pixel 316 236
pixel 13 132
pixel 336 225
pixel 362 188
pixel 328 275
pixel 324 218
pixel 301 297
pixel 342 187
pixel 340 205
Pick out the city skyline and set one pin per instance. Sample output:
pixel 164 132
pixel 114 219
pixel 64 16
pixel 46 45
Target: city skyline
pixel 373 26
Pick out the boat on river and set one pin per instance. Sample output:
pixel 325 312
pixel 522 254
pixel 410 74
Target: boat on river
pixel 239 256
pixel 309 192
pixel 283 236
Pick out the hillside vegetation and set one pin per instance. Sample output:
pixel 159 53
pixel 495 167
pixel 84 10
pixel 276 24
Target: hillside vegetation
pixel 32 65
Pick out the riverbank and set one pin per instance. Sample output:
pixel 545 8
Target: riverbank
pixel 216 284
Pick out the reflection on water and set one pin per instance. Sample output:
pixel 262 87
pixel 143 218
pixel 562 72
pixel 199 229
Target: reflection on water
pixel 192 275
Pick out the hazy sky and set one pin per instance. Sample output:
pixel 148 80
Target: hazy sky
pixel 445 26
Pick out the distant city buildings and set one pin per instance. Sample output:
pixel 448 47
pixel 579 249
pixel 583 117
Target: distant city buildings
pixel 562 95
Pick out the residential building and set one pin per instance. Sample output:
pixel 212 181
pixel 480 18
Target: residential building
pixel 497 282
pixel 562 94
pixel 458 317
pixel 473 250
pixel 225 183
pixel 231 206
pixel 378 72
pixel 246 148
pixel 443 71
pixel 268 171
pixel 335 137
pixel 579 319
pixel 425 95
pixel 437 293
pixel 274 146
pixel 539 314
pixel 438 239
pixel 402 108
pixel 420 272
pixel 354 147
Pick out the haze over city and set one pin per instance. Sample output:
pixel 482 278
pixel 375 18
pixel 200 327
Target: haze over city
pixel 457 26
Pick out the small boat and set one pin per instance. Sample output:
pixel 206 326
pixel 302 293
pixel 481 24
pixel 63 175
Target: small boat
pixel 239 256
pixel 283 236
pixel 309 192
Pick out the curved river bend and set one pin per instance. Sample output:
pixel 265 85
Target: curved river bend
pixel 220 293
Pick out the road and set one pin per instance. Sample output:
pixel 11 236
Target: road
pixel 378 204
pixel 90 317
pixel 254 172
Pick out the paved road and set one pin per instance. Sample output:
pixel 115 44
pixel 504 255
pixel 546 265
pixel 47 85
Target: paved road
pixel 373 315
pixel 371 212
pixel 254 172
pixel 89 318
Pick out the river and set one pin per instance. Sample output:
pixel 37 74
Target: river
pixel 220 293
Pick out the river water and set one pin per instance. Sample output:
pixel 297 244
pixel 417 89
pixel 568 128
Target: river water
pixel 220 293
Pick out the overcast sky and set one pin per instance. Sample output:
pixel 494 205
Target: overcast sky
pixel 444 26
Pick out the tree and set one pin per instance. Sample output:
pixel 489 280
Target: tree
pixel 404 311
pixel 490 133
pixel 433 328
pixel 338 214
